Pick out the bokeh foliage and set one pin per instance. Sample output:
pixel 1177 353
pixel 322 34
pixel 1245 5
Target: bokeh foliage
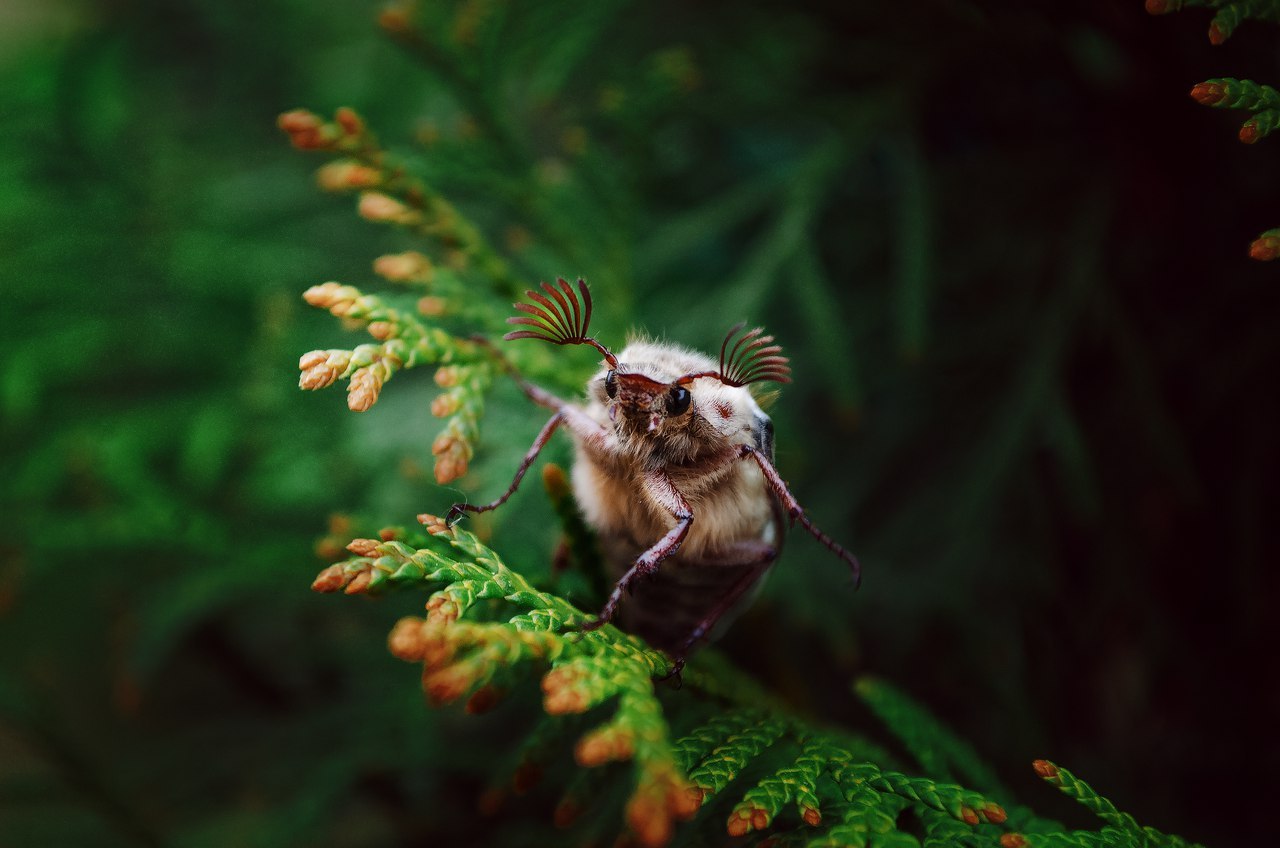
pixel 1035 385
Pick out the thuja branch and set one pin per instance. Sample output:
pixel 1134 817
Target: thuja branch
pixel 1227 93
pixel 1264 102
pixel 1229 14
pixel 390 194
pixel 822 775
pixel 406 338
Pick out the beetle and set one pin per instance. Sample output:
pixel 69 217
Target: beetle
pixel 673 470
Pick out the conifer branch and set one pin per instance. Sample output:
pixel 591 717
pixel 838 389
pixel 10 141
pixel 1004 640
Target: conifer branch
pixel 842 791
pixel 1229 13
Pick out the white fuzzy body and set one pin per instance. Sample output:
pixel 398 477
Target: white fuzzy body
pixel 735 521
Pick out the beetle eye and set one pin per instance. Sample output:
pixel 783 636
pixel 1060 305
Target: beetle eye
pixel 611 384
pixel 678 401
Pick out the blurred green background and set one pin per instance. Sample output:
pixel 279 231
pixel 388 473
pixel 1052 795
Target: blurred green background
pixel 1035 386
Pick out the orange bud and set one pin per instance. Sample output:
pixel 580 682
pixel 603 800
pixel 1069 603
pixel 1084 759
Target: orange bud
pixel 1208 93
pixel 382 330
pixel 448 684
pixel 444 405
pixel 350 122
pixel 602 746
pixel 388 534
pixel 968 815
pixel 363 547
pixel 344 175
pixel 994 813
pixel 684 800
pixel 435 524
pixel 306 131
pixel 1013 840
pixel 312 359
pixel 563 700
pixel 433 307
pixel 1216 35
pixel 317 378
pixel 1045 769
pixel 812 816
pixel 452 457
pixel 363 389
pixel 401 267
pixel 330 580
pixel 1249 132
pixel 1265 249
pixel 1161 7
pixel 408 639
pixel 437 650
pixel 360 583
pixel 739 824
pixel 325 295
pixel 447 376
pixel 442 609
pixel 381 208
pixel 299 120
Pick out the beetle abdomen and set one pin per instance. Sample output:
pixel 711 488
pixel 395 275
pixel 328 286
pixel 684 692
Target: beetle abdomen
pixel 667 607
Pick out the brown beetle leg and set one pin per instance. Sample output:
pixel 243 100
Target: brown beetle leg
pixel 456 511
pixel 796 513
pixel 659 486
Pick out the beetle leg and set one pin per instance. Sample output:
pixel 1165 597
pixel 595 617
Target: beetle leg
pixel 582 425
pixel 796 513
pixel 456 511
pixel 661 490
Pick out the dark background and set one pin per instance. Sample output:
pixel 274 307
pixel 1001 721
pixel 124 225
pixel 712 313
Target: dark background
pixel 1035 387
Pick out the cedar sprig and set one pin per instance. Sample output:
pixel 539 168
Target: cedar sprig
pixel 462 403
pixel 1074 787
pixel 1266 247
pixel 795 783
pixel 403 342
pixel 725 761
pixel 485 625
pixel 956 801
pixel 461 656
pixel 1229 13
pixel 389 193
pixel 1264 102
pixel 1229 93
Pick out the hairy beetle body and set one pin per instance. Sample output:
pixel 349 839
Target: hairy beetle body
pixel 736 530
pixel 674 471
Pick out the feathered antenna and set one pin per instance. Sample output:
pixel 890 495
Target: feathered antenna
pixel 560 319
pixel 752 359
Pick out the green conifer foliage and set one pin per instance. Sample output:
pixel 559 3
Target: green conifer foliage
pixel 1230 93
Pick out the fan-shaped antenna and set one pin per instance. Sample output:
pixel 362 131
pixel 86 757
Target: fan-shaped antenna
pixel 558 316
